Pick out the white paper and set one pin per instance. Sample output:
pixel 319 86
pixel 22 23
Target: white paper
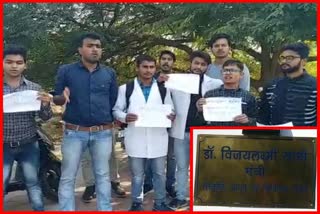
pixel 188 83
pixel 153 116
pixel 21 102
pixel 221 109
pixel 299 133
pixel 284 124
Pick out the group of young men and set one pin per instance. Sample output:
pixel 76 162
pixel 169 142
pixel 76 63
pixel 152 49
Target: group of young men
pixel 158 157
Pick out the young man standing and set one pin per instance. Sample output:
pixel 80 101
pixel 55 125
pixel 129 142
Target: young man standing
pixel 20 128
pixel 232 72
pixel 220 45
pixel 144 143
pixel 90 91
pixel 292 98
pixel 187 116
pixel 166 63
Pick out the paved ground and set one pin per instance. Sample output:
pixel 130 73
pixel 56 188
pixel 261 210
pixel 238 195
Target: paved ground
pixel 18 200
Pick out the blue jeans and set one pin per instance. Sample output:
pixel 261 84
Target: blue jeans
pixel 182 154
pixel 171 165
pixel 28 156
pixel 74 144
pixel 87 172
pixel 137 168
pixel 171 168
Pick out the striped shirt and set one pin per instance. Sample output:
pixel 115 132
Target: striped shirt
pixel 22 125
pixel 290 100
pixel 248 106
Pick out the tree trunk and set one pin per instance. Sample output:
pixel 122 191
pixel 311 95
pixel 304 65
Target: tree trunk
pixel 275 65
pixel 266 72
pixel 269 67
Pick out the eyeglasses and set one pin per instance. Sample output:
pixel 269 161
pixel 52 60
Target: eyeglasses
pixel 287 58
pixel 230 71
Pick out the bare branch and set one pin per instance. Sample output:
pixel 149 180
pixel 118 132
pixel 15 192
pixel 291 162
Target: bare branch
pixel 115 15
pixel 312 58
pixel 252 53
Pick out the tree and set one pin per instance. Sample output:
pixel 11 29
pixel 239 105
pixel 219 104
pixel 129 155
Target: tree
pixel 258 31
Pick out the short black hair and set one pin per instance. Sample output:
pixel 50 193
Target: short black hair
pixel 144 57
pixel 90 35
pixel 235 62
pixel 202 55
pixel 300 48
pixel 219 36
pixel 169 53
pixel 16 50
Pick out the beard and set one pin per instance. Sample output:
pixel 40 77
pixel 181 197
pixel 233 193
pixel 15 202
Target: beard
pixel 290 69
pixel 198 72
pixel 165 68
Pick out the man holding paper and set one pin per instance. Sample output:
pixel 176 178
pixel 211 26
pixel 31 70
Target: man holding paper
pixel 19 127
pixel 231 105
pixel 187 116
pixel 166 63
pixel 148 113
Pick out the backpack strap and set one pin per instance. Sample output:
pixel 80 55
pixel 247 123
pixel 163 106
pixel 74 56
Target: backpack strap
pixel 129 90
pixel 130 87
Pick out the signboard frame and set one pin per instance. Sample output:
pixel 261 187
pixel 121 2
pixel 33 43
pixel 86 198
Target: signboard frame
pixel 202 138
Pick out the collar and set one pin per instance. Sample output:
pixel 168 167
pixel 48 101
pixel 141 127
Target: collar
pixel 23 80
pixel 303 75
pixel 81 65
pixel 225 89
pixel 141 85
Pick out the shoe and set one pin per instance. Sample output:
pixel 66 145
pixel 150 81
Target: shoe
pixel 162 207
pixel 89 194
pixel 177 204
pixel 147 188
pixel 136 207
pixel 117 189
pixel 171 192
